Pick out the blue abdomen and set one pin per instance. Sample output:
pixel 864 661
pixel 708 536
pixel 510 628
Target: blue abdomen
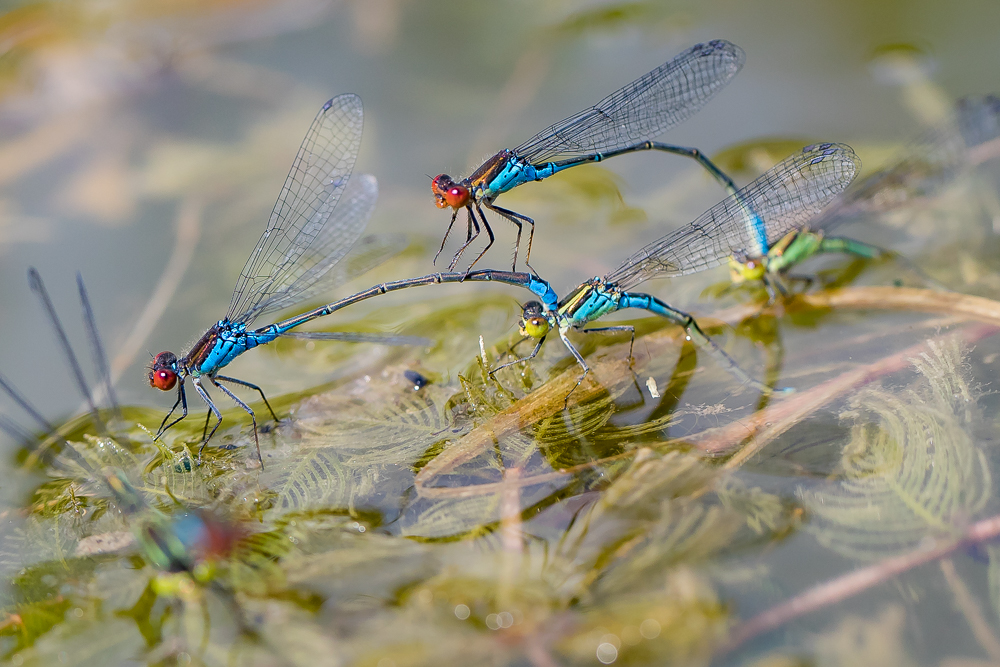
pixel 640 301
pixel 545 293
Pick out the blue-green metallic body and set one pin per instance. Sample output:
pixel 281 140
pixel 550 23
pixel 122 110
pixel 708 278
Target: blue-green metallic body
pixel 595 298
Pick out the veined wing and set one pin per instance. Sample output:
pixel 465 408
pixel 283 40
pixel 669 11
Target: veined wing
pixel 316 269
pixel 784 198
pixel 643 109
pixel 319 174
pixel 925 167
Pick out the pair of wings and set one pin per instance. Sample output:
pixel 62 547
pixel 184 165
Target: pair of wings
pixel 811 188
pixel 318 218
pixel 322 211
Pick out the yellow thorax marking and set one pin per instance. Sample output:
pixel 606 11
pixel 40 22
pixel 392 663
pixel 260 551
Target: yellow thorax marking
pixel 581 293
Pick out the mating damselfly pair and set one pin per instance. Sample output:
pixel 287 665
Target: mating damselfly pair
pixel 761 229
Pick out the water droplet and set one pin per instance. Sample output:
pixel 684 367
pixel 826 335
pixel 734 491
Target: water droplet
pixel 649 629
pixel 607 653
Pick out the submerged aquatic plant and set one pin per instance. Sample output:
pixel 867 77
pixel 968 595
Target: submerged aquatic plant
pixel 912 469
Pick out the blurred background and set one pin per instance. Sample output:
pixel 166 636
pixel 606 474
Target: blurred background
pixel 143 142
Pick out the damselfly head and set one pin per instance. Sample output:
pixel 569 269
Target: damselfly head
pixel 448 193
pixel 163 372
pixel 744 269
pixel 533 320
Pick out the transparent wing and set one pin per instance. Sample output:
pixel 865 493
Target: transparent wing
pixel 369 252
pixel 316 270
pixel 357 337
pixel 643 109
pixel 319 174
pixel 785 198
pixel 924 167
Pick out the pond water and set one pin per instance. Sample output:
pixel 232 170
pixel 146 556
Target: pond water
pixel 662 515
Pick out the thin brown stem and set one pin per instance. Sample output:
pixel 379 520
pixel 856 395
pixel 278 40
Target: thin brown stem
pixel 511 536
pixel 848 585
pixel 766 425
pixel 611 374
pixel 969 606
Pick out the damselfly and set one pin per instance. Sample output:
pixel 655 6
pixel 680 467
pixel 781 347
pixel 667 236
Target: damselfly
pixel 794 191
pixel 320 214
pixel 623 122
pixel 923 169
pixel 174 539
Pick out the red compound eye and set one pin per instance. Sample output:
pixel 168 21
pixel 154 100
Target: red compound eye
pixel 162 374
pixel 457 196
pixel 163 379
pixel 449 193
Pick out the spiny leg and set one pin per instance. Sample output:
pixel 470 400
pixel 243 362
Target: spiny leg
pixel 204 430
pixel 631 344
pixel 211 406
pixel 182 400
pixel 517 240
pixel 622 327
pixel 246 384
pixel 516 218
pixel 445 239
pixel 471 237
pixel 533 354
pixel 510 350
pixel 253 417
pixel 489 231
pixel 579 360
pixel 468 228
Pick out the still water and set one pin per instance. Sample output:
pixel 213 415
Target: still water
pixel 143 145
